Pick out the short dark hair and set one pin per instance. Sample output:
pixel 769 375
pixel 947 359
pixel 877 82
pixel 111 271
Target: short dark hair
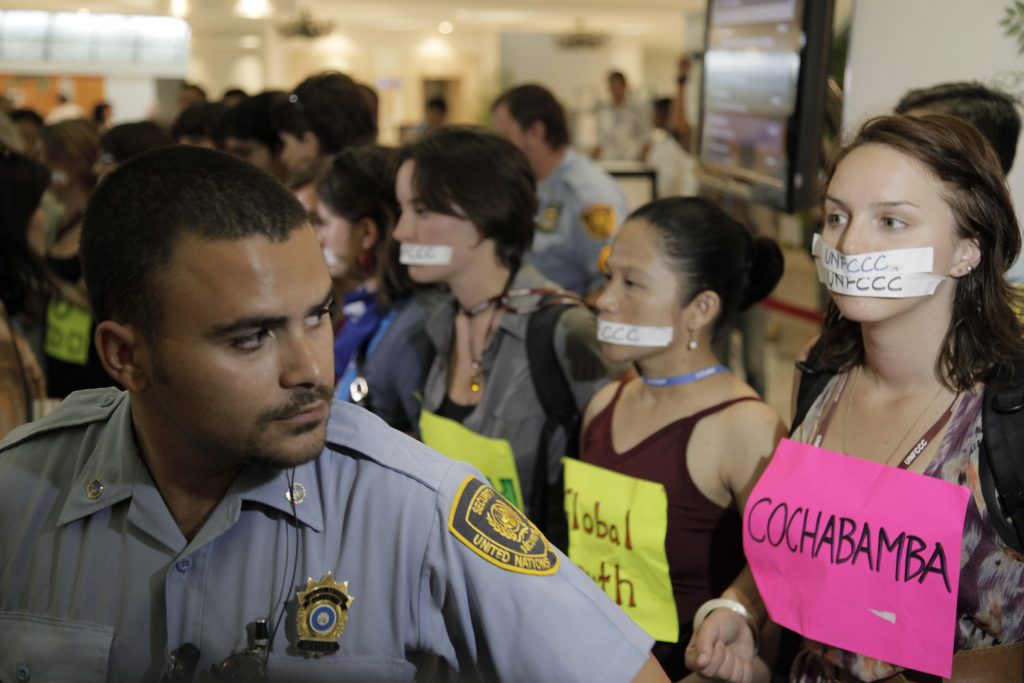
pixel 333 107
pixel 234 92
pixel 138 214
pixel 984 333
pixel 24 282
pixel 193 87
pixel 531 102
pixel 617 76
pixel 438 103
pixel 709 250
pixel 360 184
pixel 199 120
pixel 993 112
pixel 251 119
pixel 483 175
pixel 26 114
pixel 126 140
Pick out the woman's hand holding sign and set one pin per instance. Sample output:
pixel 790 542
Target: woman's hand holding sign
pixel 723 649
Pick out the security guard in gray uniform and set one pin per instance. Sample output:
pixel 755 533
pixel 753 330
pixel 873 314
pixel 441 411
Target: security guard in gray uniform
pixel 580 206
pixel 210 524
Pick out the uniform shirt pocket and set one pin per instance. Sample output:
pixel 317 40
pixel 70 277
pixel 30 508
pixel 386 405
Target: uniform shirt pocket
pixel 39 648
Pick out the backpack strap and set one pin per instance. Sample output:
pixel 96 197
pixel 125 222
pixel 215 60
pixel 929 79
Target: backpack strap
pixel 1000 464
pixel 556 397
pixel 814 377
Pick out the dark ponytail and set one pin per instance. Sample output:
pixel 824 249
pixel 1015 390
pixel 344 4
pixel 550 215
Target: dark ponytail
pixel 709 250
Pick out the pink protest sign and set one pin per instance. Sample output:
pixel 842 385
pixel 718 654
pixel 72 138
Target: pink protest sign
pixel 858 555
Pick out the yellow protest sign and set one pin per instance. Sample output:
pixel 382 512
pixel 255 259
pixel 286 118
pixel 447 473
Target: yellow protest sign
pixel 617 527
pixel 68 332
pixel 493 457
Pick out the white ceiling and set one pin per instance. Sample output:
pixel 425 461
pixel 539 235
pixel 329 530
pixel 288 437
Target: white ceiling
pixel 656 19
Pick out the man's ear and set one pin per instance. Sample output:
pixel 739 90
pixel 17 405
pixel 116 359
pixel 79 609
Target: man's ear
pixel 123 350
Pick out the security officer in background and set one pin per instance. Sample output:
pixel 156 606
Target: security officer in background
pixel 580 206
pixel 210 524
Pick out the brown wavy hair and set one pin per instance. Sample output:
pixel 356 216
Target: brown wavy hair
pixel 985 332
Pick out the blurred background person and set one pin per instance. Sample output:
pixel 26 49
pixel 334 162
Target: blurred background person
pixel 29 124
pixel 71 150
pixel 381 351
pixel 675 168
pixel 249 133
pixel 125 140
pixel 198 125
pixel 579 204
pixel 623 124
pixel 233 97
pixel 325 114
pixel 25 286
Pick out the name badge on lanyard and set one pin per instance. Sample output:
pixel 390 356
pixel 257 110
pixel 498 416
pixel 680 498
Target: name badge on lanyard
pixel 493 457
pixel 617 529
pixel 858 555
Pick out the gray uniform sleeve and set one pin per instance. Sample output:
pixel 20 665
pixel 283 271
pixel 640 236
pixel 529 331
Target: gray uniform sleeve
pixel 491 620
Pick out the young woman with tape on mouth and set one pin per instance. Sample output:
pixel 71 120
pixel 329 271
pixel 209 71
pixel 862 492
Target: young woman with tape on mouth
pixel 468 202
pixel 904 369
pixel 679 270
pixel 379 356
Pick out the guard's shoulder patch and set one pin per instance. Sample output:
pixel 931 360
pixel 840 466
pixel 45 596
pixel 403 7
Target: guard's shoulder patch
pixel 599 221
pixel 497 531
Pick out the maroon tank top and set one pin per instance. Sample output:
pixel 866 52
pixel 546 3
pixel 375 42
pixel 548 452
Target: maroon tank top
pixel 704 544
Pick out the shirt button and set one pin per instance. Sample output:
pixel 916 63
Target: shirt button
pixel 23 673
pixel 107 401
pixel 183 565
pixel 94 489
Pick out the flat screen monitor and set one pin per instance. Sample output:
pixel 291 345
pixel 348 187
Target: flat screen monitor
pixel 763 99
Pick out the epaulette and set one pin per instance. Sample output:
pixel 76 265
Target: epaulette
pixel 355 431
pixel 80 408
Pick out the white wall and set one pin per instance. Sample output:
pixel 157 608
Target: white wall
pixel 897 45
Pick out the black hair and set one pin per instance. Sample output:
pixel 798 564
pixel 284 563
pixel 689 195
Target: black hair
pixel 333 107
pixel 709 250
pixel 126 140
pixel 251 119
pixel 235 92
pixel 192 87
pixel 24 283
pixel 26 114
pixel 360 184
pixel 99 113
pixel 617 76
pixel 438 103
pixel 529 103
pixel 483 176
pixel 993 112
pixel 199 120
pixel 140 211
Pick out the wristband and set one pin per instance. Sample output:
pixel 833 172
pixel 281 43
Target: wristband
pixel 711 605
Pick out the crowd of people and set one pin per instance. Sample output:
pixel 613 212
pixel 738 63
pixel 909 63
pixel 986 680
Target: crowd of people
pixel 456 411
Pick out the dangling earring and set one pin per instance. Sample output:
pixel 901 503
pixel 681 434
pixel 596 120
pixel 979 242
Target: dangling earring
pixel 366 261
pixel 692 344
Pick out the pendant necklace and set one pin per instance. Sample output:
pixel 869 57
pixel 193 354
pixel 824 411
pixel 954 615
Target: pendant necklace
pixel 687 378
pixel 476 377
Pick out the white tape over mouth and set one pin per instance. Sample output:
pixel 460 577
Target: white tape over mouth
pixel 425 255
pixel 632 335
pixel 893 274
